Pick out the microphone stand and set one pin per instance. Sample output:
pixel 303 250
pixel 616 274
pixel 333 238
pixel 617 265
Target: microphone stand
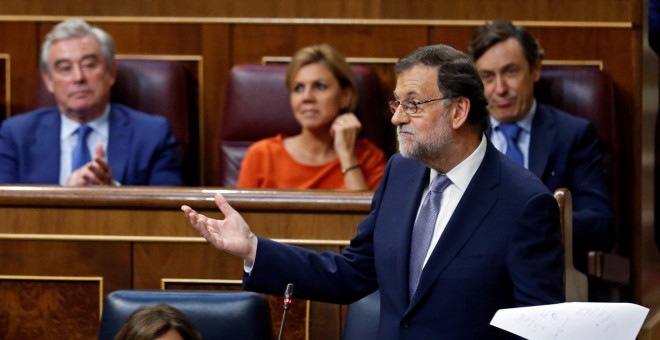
pixel 288 293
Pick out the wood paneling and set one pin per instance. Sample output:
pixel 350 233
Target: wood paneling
pixel 109 260
pixel 156 261
pixel 154 38
pixel 23 69
pixel 556 10
pixel 49 307
pixel 216 51
pixel 138 238
pixel 251 42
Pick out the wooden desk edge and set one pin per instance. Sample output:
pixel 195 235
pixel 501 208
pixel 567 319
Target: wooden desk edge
pixel 173 197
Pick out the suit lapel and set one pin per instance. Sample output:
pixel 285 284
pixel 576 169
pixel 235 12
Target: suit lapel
pixel 542 141
pixel 473 207
pixel 415 182
pixel 119 139
pixel 47 135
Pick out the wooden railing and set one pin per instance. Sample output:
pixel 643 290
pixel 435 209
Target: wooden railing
pixel 63 249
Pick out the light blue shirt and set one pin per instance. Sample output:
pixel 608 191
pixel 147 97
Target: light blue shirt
pixel 69 138
pixel 525 124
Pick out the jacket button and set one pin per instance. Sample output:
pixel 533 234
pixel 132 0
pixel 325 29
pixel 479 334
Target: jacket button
pixel 405 323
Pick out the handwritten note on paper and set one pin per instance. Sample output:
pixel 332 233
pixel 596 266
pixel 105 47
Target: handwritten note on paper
pixel 573 320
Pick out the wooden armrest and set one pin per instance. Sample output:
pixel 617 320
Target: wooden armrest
pixel 576 284
pixel 609 267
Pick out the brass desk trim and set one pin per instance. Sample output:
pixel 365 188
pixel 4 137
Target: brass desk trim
pixel 311 21
pixel 156 239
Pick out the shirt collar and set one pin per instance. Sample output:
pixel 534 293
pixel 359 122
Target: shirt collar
pixel 525 123
pixel 69 126
pixel 462 174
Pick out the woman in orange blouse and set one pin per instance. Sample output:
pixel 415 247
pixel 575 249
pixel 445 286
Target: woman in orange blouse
pixel 327 153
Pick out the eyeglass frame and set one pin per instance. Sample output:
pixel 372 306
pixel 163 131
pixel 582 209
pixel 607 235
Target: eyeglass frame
pixel 415 105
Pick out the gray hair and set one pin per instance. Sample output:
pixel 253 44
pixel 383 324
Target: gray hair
pixel 77 28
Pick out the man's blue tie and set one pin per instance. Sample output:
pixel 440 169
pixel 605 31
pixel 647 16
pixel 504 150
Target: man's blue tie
pixel 511 132
pixel 81 154
pixel 423 230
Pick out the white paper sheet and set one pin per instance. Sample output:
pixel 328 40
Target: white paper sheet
pixel 573 320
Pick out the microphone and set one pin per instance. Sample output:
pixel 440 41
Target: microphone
pixel 288 293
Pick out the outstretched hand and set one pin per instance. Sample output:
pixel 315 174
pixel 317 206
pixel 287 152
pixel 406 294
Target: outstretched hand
pixel 231 235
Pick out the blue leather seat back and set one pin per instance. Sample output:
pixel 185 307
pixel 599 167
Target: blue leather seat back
pixel 362 318
pixel 217 315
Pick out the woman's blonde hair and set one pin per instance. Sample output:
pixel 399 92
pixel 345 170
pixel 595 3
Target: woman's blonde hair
pixel 335 62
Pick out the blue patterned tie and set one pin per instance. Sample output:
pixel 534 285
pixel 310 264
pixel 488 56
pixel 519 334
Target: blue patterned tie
pixel 423 230
pixel 511 132
pixel 81 154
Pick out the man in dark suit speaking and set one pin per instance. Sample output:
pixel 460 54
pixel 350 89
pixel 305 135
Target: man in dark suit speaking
pixel 559 148
pixel 85 140
pixel 456 230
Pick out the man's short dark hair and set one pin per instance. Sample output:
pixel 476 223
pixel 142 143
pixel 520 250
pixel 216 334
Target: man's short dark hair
pixel 457 77
pixel 488 35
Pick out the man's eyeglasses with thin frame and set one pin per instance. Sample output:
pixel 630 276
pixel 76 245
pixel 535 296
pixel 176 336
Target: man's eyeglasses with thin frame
pixel 409 106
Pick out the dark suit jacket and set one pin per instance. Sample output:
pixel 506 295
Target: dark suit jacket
pixel 564 152
pixel 141 148
pixel 501 248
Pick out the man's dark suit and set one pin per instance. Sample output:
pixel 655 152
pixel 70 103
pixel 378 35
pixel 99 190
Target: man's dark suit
pixel 564 152
pixel 141 148
pixel 501 248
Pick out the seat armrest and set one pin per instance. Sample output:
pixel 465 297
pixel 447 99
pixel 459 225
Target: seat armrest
pixel 576 284
pixel 609 267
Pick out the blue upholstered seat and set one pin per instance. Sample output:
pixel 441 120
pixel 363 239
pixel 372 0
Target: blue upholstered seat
pixel 362 318
pixel 217 315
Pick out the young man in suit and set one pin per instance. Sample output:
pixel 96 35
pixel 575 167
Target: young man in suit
pixel 85 140
pixel 559 148
pixel 445 258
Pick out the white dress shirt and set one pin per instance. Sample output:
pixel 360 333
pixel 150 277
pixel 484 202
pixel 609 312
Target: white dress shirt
pixel 460 177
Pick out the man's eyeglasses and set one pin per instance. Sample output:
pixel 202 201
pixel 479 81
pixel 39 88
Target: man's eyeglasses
pixel 409 106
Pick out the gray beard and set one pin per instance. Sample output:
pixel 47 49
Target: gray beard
pixel 429 151
pixel 423 153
